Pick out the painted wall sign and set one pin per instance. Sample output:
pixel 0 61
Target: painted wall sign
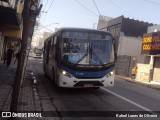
pixel 151 43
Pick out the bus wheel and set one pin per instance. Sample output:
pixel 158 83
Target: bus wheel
pixel 54 79
pixel 53 76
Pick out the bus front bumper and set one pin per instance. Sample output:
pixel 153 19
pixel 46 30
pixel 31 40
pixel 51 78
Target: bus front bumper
pixel 72 82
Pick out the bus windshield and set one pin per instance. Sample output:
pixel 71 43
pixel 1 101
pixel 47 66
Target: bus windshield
pixel 87 48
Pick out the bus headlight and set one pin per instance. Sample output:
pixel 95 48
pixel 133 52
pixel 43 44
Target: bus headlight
pixel 110 74
pixel 65 73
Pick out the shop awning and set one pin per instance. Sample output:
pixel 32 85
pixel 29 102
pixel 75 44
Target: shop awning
pixel 13 33
pixel 9 17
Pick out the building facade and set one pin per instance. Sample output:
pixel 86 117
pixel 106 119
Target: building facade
pixel 151 50
pixel 128 34
pixel 10 24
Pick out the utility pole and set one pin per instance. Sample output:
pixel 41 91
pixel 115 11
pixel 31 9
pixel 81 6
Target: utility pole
pixel 21 62
pixel 29 20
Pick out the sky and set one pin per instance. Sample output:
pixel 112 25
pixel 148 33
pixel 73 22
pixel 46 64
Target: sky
pixel 85 13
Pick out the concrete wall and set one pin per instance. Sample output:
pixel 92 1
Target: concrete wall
pixel 122 65
pixel 129 54
pixel 156 72
pixel 129 46
pixel 143 72
pixel 125 64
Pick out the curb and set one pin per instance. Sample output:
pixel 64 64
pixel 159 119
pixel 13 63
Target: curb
pixel 157 87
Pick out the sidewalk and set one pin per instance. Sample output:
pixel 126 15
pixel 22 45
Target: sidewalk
pixel 152 84
pixel 7 75
pixel 28 100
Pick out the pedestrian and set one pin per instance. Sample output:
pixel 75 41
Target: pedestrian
pixel 9 56
pixel 17 57
pixel 134 72
pixel 5 57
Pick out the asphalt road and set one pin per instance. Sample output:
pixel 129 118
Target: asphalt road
pixel 124 96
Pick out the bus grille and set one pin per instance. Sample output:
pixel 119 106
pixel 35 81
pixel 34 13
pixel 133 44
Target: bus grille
pixel 82 83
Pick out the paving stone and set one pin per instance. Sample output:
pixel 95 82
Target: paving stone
pixel 29 98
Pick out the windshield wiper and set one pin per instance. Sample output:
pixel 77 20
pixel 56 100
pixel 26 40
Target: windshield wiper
pixel 99 59
pixel 91 51
pixel 82 58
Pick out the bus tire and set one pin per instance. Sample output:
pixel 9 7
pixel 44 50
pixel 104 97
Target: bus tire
pixel 54 79
pixel 53 76
pixel 45 73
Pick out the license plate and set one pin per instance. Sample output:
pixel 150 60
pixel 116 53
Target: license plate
pixel 88 85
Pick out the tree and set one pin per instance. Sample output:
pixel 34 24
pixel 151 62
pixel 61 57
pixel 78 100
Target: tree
pixel 28 28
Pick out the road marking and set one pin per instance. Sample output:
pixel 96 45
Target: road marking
pixel 125 99
pixel 157 94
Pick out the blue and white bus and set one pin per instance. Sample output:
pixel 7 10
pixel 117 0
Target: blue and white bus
pixel 78 58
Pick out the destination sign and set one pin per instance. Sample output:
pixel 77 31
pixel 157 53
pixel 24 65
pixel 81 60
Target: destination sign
pixel 91 35
pixel 151 43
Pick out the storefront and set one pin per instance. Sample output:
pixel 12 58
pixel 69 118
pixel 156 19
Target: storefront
pixel 10 24
pixel 151 47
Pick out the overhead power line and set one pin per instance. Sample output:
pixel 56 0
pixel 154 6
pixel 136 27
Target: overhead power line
pixel 96 7
pixel 120 8
pixel 47 11
pixel 85 7
pixel 45 5
pixel 46 26
pixel 152 2
pixel 44 9
pixel 50 5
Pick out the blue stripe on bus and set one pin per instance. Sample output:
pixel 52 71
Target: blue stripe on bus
pixel 86 74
